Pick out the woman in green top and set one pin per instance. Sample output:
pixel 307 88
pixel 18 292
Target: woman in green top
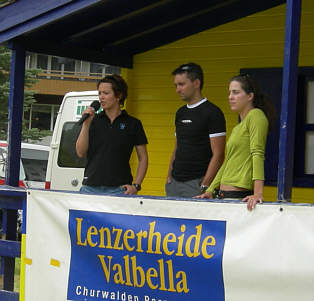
pixel 242 174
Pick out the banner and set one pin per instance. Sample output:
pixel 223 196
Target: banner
pixel 92 247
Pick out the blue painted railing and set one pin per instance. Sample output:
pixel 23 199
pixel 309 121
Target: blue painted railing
pixel 11 200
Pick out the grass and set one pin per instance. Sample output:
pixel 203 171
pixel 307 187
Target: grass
pixel 17 274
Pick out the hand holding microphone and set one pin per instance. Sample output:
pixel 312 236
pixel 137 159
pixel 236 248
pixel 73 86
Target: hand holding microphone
pixel 95 105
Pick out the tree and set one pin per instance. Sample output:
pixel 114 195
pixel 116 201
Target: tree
pixel 28 135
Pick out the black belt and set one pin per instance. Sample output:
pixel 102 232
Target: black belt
pixel 234 194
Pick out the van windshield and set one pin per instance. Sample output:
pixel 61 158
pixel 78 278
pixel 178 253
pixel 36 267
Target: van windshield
pixel 67 156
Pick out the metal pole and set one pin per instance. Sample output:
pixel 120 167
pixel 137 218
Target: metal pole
pixel 288 101
pixel 16 100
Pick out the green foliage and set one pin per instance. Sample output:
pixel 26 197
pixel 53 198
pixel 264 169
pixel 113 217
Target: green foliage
pixel 30 80
pixel 34 134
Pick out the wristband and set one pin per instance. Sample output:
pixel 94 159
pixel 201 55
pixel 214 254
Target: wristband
pixel 137 186
pixel 204 188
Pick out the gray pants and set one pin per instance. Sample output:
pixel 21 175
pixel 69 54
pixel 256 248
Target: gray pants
pixel 187 189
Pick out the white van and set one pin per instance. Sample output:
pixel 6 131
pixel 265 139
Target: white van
pixel 33 164
pixel 65 169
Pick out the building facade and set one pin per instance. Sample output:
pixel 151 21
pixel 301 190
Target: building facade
pixel 57 76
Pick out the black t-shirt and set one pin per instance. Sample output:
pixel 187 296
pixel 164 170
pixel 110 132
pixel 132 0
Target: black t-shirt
pixel 194 127
pixel 110 148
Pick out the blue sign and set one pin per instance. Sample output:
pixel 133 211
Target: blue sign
pixel 144 258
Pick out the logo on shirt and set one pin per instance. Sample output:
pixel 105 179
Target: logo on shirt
pixel 122 126
pixel 186 121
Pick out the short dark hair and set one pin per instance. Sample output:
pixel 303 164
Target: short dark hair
pixel 119 86
pixel 193 71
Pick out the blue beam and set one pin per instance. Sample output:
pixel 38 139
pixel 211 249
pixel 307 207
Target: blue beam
pixel 23 10
pixel 16 100
pixel 10 191
pixel 8 296
pixel 10 248
pixel 288 101
pixel 12 197
pixel 11 202
pixel 9 262
pixel 50 16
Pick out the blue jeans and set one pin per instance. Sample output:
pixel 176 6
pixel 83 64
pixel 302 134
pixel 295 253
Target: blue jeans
pixel 102 189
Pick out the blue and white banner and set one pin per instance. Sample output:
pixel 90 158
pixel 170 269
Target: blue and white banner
pixel 143 256
pixel 88 247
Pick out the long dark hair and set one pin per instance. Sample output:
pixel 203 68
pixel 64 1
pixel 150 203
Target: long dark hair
pixel 260 100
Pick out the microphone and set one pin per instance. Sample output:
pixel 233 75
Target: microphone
pixel 96 105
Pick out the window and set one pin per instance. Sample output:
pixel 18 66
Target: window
pixel 270 80
pixel 67 156
pixel 43 117
pixel 34 164
pixel 82 68
pixel 33 167
pixel 112 69
pixel 42 62
pixel 62 64
pixel 309 151
pixel 96 69
pixel 57 67
pixel 304 159
pixel 309 132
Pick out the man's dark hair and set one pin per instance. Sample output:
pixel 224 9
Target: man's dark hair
pixel 193 72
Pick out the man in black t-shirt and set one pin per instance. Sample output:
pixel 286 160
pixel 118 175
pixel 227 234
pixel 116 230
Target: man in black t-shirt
pixel 200 137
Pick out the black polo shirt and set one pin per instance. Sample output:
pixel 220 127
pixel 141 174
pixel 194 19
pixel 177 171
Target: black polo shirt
pixel 194 127
pixel 110 148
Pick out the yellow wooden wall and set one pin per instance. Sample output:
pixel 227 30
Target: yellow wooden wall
pixel 253 42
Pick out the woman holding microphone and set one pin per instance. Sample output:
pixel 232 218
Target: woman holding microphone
pixel 107 140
